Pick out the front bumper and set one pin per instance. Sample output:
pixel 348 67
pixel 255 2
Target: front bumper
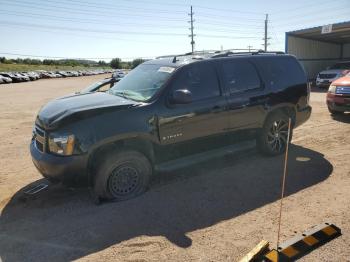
pixel 324 82
pixel 338 103
pixel 71 170
pixel 302 115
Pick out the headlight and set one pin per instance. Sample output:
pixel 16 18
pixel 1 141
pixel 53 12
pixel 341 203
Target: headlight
pixel 61 145
pixel 332 89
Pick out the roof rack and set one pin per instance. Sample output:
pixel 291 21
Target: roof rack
pixel 196 53
pixel 258 52
pixel 219 53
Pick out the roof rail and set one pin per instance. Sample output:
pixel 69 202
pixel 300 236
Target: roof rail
pixel 258 52
pixel 220 53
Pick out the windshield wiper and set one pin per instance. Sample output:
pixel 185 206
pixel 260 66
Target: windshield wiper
pixel 120 94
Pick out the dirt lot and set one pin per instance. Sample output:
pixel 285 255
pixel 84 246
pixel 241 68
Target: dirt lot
pixel 215 211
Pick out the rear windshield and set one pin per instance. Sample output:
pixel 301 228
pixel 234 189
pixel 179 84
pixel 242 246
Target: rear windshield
pixel 341 66
pixel 143 82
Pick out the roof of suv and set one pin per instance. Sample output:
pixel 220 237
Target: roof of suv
pixel 180 60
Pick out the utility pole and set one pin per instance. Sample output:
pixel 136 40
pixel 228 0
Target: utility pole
pixel 191 29
pixel 249 47
pixel 265 36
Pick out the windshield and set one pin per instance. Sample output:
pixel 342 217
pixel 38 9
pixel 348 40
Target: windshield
pixel 143 82
pixel 341 66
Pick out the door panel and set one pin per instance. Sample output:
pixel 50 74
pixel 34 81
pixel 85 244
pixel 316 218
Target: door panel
pixel 189 128
pixel 245 94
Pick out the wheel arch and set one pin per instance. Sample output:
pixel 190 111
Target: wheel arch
pixel 139 144
pixel 286 108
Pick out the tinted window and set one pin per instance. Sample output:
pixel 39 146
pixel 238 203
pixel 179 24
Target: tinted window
pixel 281 72
pixel 240 76
pixel 200 79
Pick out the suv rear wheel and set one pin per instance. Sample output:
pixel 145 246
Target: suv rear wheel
pixel 122 175
pixel 272 139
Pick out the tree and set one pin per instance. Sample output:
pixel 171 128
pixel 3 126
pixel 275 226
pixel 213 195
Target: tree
pixel 102 63
pixel 115 63
pixel 136 62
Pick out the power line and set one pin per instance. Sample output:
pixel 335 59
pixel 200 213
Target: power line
pixel 300 16
pixel 311 19
pixel 316 3
pixel 53 8
pixel 84 21
pixel 226 10
pixel 228 37
pixel 90 30
pixel 112 31
pixel 53 31
pixel 110 22
pixel 118 7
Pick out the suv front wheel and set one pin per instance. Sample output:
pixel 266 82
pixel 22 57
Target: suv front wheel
pixel 272 139
pixel 122 175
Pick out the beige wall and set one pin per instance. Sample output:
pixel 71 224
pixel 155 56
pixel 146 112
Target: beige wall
pixel 315 56
pixel 346 50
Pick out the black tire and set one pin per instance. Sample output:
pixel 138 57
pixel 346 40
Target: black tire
pixel 272 138
pixel 122 175
pixel 334 112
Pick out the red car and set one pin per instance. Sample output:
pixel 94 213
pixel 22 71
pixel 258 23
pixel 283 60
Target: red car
pixel 338 96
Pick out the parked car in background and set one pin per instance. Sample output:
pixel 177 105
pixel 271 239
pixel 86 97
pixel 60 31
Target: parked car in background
pixel 23 77
pixel 118 74
pixel 32 76
pixel 15 78
pixel 35 75
pixel 49 75
pixel 326 77
pixel 338 96
pixel 62 73
pixel 5 79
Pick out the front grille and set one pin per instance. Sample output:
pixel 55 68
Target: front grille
pixel 40 139
pixel 327 76
pixel 343 90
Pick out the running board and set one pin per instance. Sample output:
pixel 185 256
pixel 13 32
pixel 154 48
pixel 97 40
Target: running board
pixel 36 189
pixel 239 148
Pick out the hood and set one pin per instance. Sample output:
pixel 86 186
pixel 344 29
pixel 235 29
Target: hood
pixel 79 105
pixel 343 81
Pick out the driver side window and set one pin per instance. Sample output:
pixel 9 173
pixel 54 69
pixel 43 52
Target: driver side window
pixel 200 79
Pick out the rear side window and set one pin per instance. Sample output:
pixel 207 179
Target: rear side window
pixel 240 76
pixel 282 72
pixel 200 79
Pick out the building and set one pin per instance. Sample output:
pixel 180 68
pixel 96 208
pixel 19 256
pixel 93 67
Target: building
pixel 319 47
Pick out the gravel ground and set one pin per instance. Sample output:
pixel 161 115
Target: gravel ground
pixel 216 211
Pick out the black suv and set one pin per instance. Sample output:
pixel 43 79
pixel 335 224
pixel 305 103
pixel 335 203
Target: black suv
pixel 165 110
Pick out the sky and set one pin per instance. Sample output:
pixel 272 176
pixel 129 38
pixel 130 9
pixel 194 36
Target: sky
pixel 128 29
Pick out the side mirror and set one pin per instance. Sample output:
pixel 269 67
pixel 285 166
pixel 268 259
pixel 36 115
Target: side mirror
pixel 181 96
